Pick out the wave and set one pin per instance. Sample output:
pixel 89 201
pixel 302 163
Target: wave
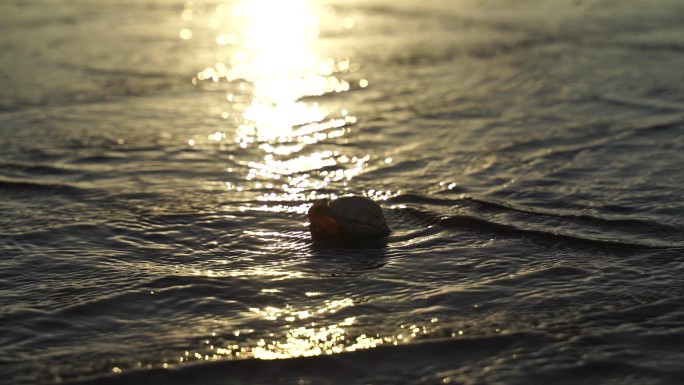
pixel 22 187
pixel 491 217
pixel 343 368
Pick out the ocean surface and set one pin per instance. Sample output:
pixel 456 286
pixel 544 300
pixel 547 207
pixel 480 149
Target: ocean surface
pixel 158 157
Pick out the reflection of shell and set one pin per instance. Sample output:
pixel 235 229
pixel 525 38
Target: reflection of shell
pixel 359 215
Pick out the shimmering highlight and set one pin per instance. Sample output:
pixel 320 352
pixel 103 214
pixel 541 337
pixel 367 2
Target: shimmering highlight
pixel 276 65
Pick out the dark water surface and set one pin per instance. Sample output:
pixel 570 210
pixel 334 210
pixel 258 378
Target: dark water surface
pixel 158 158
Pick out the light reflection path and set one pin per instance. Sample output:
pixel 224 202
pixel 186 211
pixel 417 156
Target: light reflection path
pixel 278 72
pixel 275 61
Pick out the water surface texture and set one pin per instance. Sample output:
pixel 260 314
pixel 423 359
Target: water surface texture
pixel 158 158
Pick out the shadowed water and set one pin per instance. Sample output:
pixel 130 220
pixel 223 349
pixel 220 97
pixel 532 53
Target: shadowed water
pixel 158 159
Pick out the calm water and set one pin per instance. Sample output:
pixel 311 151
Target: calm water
pixel 158 158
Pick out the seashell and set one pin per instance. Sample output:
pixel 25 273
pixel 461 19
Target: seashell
pixel 352 216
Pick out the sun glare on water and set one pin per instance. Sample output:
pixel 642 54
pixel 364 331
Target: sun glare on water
pixel 288 141
pixel 276 64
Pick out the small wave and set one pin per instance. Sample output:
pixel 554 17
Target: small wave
pixel 22 187
pixel 98 159
pixel 388 364
pixel 36 169
pixel 418 199
pixel 476 213
pixel 581 219
pixel 479 224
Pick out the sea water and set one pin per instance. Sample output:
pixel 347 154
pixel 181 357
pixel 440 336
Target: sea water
pixel 157 159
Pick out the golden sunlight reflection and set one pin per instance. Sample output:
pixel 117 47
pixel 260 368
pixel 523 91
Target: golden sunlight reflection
pixel 305 337
pixel 278 69
pixel 322 327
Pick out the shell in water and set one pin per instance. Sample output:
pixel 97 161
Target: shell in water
pixel 347 217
